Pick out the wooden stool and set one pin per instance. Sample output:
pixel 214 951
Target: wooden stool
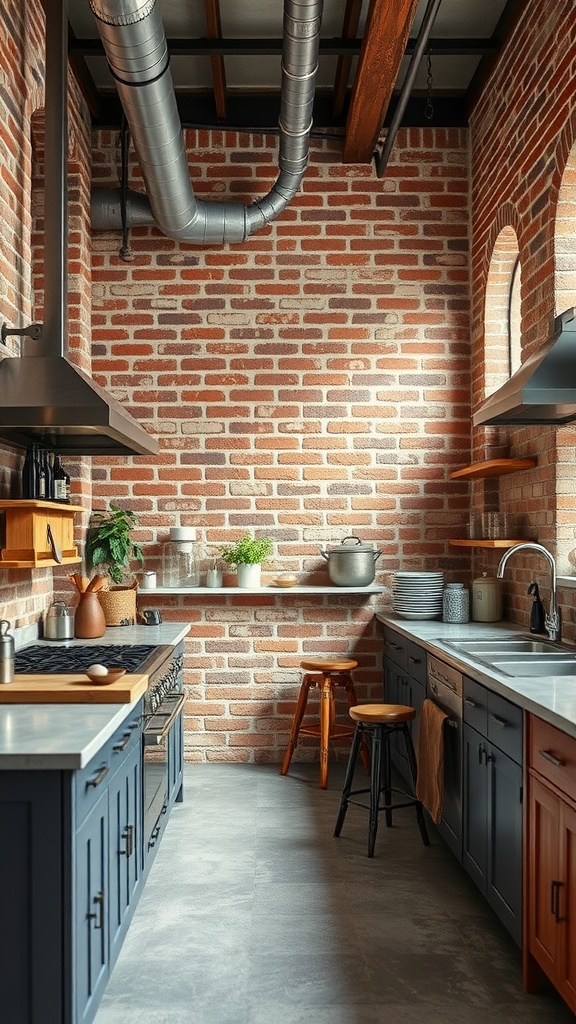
pixel 326 673
pixel 381 721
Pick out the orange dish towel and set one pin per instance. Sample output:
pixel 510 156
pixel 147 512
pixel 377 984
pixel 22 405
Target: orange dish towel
pixel 430 781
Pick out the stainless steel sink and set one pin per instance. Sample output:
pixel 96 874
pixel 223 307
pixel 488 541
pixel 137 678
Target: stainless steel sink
pixel 518 655
pixel 505 645
pixel 536 666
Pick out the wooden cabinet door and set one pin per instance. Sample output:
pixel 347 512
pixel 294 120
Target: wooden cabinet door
pixel 544 876
pixel 566 907
pixel 91 949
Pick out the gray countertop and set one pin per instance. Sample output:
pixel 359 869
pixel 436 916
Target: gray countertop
pixel 552 698
pixel 67 736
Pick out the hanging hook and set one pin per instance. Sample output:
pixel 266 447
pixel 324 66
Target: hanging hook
pixel 125 250
pixel 429 108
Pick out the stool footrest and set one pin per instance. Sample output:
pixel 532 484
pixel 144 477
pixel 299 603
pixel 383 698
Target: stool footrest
pixel 337 730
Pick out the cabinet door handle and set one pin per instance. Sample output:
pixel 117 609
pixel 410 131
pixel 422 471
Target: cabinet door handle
pixel 480 752
pixel 471 703
pixel 119 747
pixel 99 915
pixel 550 757
pixel 555 900
pixel 415 661
pixel 499 721
pixel 128 835
pixel 98 778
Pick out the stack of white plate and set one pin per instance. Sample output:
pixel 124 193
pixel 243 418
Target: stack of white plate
pixel 418 595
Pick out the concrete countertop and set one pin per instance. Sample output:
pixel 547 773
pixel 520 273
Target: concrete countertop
pixel 59 736
pixel 552 698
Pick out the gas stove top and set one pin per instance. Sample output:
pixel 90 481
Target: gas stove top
pixel 40 659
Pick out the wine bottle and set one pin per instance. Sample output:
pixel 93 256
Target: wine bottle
pixel 41 475
pixel 60 488
pixel 29 479
pixel 49 476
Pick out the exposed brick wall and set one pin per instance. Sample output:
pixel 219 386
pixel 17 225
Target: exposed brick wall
pixel 522 132
pixel 311 383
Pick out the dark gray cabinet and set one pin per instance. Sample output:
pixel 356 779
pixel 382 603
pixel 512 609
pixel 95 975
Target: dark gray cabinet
pixel 492 839
pixel 404 683
pixel 70 876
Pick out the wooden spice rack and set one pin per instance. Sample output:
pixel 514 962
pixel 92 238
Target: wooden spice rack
pixel 27 543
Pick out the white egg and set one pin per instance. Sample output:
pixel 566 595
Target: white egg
pixel 97 670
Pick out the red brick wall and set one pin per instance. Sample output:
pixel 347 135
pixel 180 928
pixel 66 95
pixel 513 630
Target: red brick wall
pixel 522 131
pixel 312 382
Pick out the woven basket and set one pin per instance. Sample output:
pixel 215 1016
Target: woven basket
pixel 119 605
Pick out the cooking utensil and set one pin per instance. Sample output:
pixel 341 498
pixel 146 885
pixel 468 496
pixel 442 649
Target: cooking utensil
pixel 351 565
pixel 59 622
pixel 56 552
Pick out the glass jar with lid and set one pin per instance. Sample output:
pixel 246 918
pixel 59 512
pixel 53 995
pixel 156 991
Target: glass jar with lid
pixel 180 566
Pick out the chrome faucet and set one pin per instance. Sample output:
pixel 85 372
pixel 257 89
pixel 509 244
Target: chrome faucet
pixel 552 621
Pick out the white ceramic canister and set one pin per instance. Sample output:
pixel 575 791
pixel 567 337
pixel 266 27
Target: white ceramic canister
pixel 455 603
pixel 486 599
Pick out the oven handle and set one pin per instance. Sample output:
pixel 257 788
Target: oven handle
pixel 155 736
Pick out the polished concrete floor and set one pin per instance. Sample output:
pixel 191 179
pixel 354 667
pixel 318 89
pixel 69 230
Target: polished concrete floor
pixel 254 914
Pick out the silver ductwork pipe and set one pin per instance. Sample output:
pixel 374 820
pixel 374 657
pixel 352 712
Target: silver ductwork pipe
pixel 135 44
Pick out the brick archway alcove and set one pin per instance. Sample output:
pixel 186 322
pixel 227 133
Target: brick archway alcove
pixel 502 310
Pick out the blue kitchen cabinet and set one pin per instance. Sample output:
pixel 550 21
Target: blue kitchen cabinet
pixel 404 683
pixel 70 877
pixel 492 804
pixel 91 896
pixel 175 760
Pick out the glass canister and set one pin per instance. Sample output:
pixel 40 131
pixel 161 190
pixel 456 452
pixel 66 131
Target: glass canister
pixel 455 603
pixel 180 566
pixel 486 599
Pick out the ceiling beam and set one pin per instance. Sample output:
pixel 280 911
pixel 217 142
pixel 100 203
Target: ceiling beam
pixel 214 31
pixel 386 34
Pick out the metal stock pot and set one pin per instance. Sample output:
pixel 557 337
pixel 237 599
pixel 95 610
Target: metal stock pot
pixel 59 622
pixel 351 565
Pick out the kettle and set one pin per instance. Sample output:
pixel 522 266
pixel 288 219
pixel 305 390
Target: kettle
pixel 59 622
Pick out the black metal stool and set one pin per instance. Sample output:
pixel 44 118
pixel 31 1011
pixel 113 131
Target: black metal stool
pixel 380 722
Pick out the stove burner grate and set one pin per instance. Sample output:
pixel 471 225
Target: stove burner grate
pixel 39 659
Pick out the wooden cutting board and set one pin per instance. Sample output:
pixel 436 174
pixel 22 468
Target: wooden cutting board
pixel 71 689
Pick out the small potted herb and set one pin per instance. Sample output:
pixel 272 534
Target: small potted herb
pixel 247 555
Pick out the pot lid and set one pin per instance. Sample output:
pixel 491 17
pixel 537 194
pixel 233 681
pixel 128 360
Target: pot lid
pixel 352 548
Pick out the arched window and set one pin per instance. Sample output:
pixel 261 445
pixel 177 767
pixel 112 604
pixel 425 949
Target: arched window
pixel 502 337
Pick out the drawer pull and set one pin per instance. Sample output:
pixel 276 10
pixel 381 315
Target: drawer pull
pixel 499 721
pixel 98 778
pixel 550 757
pixel 99 916
pixel 555 900
pixel 471 703
pixel 415 661
pixel 128 835
pixel 119 747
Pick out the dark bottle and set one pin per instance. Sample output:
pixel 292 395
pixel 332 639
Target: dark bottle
pixel 30 474
pixel 61 481
pixel 42 483
pixel 49 475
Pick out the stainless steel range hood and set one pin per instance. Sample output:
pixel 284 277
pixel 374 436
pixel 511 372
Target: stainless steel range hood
pixel 543 390
pixel 45 399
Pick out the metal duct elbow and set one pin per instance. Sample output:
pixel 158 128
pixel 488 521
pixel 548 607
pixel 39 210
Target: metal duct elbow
pixel 135 44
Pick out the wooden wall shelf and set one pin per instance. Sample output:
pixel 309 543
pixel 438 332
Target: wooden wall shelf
pixel 493 467
pixel 487 543
pixel 27 543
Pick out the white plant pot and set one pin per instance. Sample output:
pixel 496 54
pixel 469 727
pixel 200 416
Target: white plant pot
pixel 249 575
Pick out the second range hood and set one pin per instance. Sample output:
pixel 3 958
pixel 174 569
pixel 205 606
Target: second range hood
pixel 46 400
pixel 543 390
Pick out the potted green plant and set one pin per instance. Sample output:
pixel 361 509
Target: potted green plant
pixel 111 548
pixel 247 555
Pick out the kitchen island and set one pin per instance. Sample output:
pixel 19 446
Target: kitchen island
pixel 73 785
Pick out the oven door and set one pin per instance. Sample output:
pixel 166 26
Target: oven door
pixel 157 730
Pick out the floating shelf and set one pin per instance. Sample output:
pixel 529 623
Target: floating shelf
pixel 27 544
pixel 487 543
pixel 493 467
pixel 264 591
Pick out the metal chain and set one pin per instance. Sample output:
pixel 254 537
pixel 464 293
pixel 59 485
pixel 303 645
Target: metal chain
pixel 429 108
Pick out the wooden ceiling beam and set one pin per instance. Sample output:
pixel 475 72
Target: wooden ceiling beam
pixel 386 35
pixel 343 65
pixel 214 31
